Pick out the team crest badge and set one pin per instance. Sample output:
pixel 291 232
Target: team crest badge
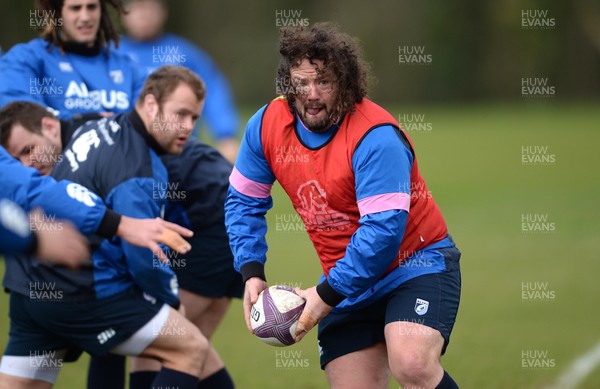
pixel 65 67
pixel 117 76
pixel 421 307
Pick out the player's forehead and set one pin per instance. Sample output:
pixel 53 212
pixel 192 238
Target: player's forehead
pixel 182 94
pixel 183 99
pixel 147 5
pixel 77 4
pixel 310 70
pixel 21 137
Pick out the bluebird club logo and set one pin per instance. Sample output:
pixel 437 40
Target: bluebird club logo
pixel 421 307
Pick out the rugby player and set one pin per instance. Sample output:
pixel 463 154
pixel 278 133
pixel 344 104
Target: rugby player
pixel 72 68
pixel 390 288
pixel 119 159
pixel 199 175
pixel 147 43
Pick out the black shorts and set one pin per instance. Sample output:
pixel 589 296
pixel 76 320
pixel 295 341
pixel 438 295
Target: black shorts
pixel 430 299
pixel 208 272
pixel 96 326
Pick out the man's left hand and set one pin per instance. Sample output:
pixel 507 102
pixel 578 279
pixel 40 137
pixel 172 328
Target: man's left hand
pixel 314 310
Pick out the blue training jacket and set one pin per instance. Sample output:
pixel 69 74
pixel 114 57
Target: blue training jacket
pixel 27 189
pixel 63 199
pixel 78 81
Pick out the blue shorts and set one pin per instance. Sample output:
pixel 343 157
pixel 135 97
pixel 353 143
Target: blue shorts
pixel 95 326
pixel 430 299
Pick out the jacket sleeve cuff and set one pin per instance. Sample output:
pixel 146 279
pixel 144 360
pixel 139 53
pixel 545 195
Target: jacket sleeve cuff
pixel 109 224
pixel 33 245
pixel 253 269
pixel 329 295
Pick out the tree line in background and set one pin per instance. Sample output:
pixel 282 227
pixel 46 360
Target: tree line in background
pixel 420 51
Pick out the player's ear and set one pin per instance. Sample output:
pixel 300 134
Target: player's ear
pixel 151 105
pixel 51 128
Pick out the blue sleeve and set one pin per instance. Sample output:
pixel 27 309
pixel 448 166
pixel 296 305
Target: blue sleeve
pixel 15 234
pixel 220 112
pixel 19 67
pixel 62 199
pixel 251 161
pixel 134 198
pixel 382 164
pixel 246 226
pixel 245 214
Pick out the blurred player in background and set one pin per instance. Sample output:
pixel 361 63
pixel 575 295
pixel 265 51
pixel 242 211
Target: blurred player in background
pixel 390 291
pixel 71 68
pixel 147 43
pixel 206 276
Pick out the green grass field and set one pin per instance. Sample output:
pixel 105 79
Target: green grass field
pixel 472 159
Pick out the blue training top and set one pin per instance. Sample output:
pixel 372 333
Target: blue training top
pixel 79 81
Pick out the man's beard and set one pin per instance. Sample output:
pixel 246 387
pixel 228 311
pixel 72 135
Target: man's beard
pixel 322 125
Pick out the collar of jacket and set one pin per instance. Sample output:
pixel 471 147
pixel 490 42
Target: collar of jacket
pixel 141 129
pixel 82 48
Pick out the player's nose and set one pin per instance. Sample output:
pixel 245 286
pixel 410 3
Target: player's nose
pixel 188 125
pixel 312 93
pixel 27 161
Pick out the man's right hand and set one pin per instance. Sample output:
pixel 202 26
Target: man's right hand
pixel 59 242
pixel 254 286
pixel 149 232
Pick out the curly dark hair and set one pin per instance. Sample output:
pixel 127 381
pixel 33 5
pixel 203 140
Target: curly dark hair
pixel 106 32
pixel 339 52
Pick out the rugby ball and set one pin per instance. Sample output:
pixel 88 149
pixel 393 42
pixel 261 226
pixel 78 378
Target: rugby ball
pixel 275 315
